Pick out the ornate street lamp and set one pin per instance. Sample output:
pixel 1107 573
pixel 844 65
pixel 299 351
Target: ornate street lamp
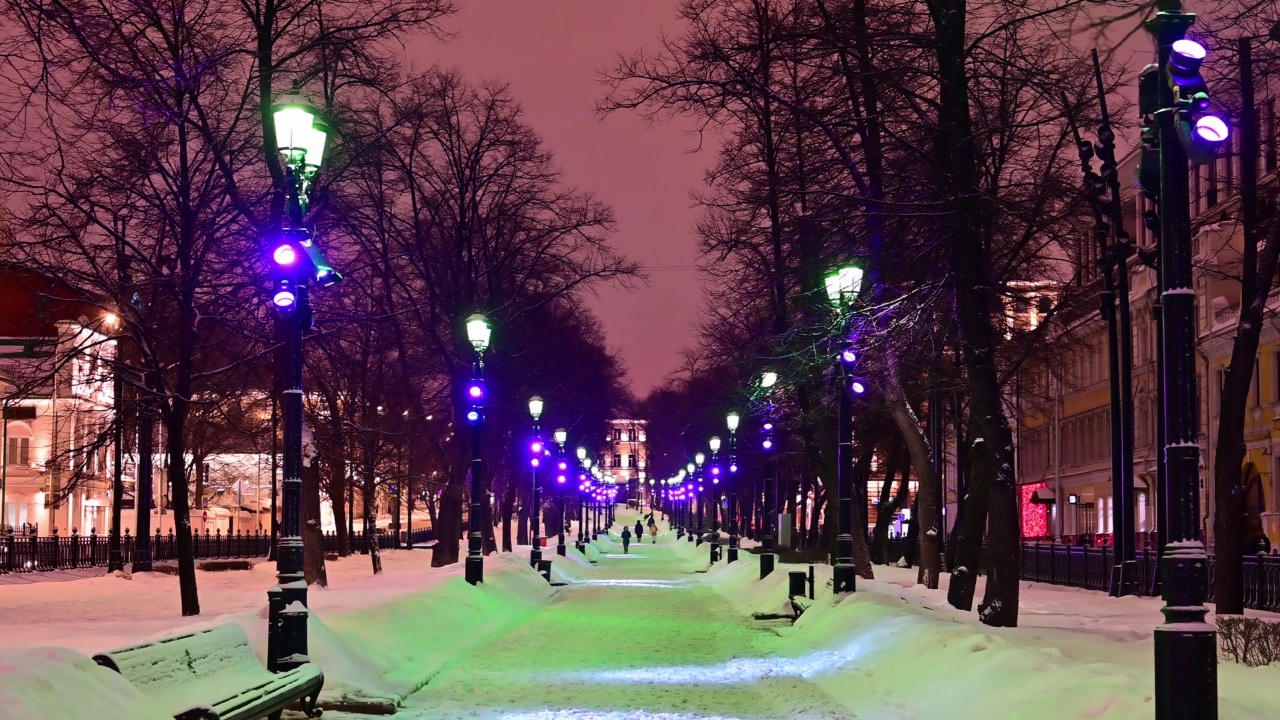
pixel 843 286
pixel 478 334
pixel 731 421
pixel 295 264
pixel 562 476
pixel 767 556
pixel 535 449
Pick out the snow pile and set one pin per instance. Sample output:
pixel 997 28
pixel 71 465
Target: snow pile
pixel 889 651
pixel 52 683
pixel 377 638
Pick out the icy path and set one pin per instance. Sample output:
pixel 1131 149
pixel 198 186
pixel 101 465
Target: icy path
pixel 638 639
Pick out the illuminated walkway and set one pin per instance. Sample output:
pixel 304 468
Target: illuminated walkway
pixel 639 639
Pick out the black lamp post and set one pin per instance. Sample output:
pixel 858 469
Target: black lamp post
pixel 562 477
pixel 700 480
pixel 731 420
pixel 478 333
pixel 714 444
pixel 582 517
pixel 767 557
pixel 842 287
pixel 691 482
pixel 1186 674
pixel 296 264
pixel 535 449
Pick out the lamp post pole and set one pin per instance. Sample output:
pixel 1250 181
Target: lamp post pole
pixel 731 420
pixel 535 410
pixel 767 556
pixel 296 264
pixel 715 498
pixel 842 287
pixel 1185 645
pixel 561 436
pixel 478 333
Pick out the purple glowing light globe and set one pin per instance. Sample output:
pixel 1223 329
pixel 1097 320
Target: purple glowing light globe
pixel 1212 129
pixel 1188 51
pixel 285 255
pixel 767 444
pixel 857 387
pixel 534 462
pixel 848 357
pixel 560 479
pixel 475 391
pixel 284 299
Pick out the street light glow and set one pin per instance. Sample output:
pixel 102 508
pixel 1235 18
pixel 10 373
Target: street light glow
pixel 285 255
pixel 535 407
pixel 732 420
pixel 478 331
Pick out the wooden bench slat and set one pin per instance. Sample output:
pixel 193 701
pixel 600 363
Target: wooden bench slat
pixel 212 673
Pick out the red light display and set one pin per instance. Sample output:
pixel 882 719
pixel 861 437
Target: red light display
pixel 1035 517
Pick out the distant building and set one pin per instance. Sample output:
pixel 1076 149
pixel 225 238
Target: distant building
pixel 1064 429
pixel 56 395
pixel 625 458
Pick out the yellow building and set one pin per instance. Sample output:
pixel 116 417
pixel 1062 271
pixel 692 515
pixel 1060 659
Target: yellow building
pixel 625 456
pixel 1064 438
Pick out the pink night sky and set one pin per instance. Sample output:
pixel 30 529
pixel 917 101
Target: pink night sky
pixel 550 52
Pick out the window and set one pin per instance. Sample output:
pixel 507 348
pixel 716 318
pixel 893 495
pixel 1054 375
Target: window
pixel 19 451
pixel 617 460
pixel 626 460
pixel 1255 387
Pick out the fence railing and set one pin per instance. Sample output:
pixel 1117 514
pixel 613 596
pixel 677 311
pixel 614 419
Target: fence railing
pixel 1089 568
pixel 39 553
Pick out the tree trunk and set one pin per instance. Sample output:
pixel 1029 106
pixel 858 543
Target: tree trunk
pixel 175 426
pixel 858 523
pixel 890 505
pixel 976 304
pixel 1257 274
pixel 313 568
pixel 450 528
pixel 508 506
pixel 904 417
pixel 911 548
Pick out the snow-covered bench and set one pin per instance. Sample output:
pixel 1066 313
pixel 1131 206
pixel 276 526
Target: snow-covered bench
pixel 214 675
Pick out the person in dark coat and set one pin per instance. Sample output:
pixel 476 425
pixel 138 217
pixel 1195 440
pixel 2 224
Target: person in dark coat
pixel 626 539
pixel 639 530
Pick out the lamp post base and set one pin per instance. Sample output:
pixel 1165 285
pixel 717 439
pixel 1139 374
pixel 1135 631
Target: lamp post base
pixel 715 551
pixel 767 561
pixel 475 569
pixel 844 578
pixel 733 549
pixel 535 556
pixel 1124 579
pixel 561 550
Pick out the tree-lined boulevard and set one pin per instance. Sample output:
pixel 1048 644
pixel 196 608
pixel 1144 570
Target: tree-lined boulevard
pixel 960 264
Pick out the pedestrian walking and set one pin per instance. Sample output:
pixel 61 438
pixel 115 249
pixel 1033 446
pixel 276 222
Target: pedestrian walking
pixel 639 531
pixel 626 539
pixel 653 530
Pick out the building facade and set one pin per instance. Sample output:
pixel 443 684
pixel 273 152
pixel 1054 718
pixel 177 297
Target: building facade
pixel 1064 433
pixel 625 457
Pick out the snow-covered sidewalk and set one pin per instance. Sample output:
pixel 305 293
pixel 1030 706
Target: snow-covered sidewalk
pixel 653 634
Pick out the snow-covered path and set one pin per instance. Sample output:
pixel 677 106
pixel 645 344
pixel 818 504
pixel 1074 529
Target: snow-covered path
pixel 637 639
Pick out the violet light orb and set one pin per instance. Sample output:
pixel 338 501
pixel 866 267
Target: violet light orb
pixel 1187 55
pixel 285 255
pixel 1211 128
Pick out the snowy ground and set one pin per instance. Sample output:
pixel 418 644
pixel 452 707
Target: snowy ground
pixel 651 635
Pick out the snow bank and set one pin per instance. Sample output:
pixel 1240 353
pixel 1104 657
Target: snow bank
pixel 895 650
pixel 51 683
pixel 376 637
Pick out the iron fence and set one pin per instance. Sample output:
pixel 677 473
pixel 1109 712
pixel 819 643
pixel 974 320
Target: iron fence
pixel 1089 568
pixel 39 553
